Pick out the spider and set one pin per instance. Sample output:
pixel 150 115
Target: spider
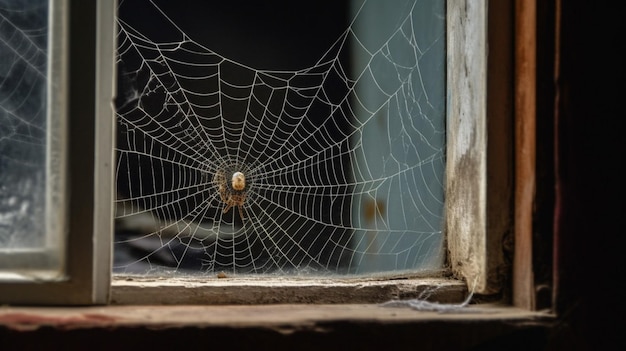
pixel 232 193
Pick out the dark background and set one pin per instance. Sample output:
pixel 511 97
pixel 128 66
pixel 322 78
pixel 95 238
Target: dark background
pixel 290 34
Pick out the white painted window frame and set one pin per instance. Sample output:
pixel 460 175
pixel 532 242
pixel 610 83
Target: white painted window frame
pixel 83 60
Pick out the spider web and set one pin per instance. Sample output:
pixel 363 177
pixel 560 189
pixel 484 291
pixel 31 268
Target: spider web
pixel 343 158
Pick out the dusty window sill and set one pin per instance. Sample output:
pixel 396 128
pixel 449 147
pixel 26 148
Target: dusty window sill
pixel 282 290
pixel 272 326
pixel 288 314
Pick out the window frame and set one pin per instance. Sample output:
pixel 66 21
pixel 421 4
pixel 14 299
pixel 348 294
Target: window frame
pixel 478 191
pixel 479 150
pixel 478 208
pixel 87 60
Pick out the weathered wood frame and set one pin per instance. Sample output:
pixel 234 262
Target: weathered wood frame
pixel 479 187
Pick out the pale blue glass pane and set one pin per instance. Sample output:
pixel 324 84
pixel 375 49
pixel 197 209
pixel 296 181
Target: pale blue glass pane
pixel 399 55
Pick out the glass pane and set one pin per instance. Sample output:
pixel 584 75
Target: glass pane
pixel 268 139
pixel 29 143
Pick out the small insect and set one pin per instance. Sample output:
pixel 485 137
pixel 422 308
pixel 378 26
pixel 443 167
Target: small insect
pixel 233 192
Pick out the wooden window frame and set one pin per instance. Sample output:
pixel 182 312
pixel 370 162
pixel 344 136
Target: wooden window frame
pixel 480 189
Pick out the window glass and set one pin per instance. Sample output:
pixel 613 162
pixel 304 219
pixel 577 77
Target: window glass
pixel 270 137
pixel 30 157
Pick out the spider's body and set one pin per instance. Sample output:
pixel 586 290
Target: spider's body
pixel 232 192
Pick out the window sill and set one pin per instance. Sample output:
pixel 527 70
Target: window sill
pixel 272 327
pixel 259 290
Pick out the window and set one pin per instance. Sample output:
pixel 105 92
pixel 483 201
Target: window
pixel 336 133
pixel 382 191
pixel 56 86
